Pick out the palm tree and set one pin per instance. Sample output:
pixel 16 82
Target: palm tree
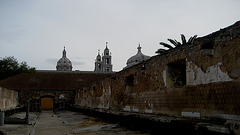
pixel 175 43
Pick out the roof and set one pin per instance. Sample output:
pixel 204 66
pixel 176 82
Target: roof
pixel 139 57
pixel 51 80
pixel 64 64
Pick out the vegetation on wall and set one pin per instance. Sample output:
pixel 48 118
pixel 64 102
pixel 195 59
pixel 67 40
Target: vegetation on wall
pixel 175 43
pixel 9 66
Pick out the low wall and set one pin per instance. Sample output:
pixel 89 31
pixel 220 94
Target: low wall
pixel 202 101
pixel 8 99
pixel 212 107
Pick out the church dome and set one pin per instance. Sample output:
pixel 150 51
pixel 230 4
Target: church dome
pixel 64 64
pixel 139 57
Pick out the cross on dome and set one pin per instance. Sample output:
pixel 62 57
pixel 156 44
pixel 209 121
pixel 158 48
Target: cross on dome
pixel 139 48
pixel 64 53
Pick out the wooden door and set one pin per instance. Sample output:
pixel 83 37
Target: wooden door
pixel 46 103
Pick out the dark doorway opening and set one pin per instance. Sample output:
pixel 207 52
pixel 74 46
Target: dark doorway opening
pixel 176 75
pixel 129 83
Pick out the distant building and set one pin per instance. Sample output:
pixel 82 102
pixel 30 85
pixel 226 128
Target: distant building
pixel 104 63
pixel 64 64
pixel 139 57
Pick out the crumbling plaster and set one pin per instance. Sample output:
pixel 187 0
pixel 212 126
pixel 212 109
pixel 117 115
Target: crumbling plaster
pixel 196 76
pixel 8 99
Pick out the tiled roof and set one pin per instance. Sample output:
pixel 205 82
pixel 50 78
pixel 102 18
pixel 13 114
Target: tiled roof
pixel 51 80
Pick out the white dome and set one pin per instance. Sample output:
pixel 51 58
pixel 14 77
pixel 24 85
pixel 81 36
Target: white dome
pixel 64 64
pixel 139 57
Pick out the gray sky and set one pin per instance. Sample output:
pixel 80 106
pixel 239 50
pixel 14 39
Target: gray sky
pixel 36 31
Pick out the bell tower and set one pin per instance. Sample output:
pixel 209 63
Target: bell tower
pixel 107 60
pixel 98 63
pixel 104 63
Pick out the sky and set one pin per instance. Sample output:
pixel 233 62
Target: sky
pixel 36 31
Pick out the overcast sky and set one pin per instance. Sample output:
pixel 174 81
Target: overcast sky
pixel 36 31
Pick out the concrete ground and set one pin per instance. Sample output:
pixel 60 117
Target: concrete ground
pixel 20 129
pixel 64 123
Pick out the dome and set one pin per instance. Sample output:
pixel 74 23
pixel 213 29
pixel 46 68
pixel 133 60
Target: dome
pixel 64 64
pixel 139 57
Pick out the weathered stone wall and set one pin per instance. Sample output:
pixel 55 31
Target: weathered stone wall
pixel 59 86
pixel 8 99
pixel 200 80
pixel 60 97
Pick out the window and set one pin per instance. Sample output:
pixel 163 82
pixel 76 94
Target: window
pixel 207 48
pixel 176 73
pixel 99 66
pixel 129 83
pixel 207 45
pixel 129 80
pixel 107 61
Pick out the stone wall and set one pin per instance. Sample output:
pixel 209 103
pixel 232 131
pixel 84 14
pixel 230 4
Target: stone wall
pixel 200 80
pixel 58 86
pixel 8 99
pixel 61 98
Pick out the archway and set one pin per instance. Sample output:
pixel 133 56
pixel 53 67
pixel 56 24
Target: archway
pixel 46 103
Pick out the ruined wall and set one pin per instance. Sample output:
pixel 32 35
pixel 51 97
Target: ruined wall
pixel 60 97
pixel 217 59
pixel 8 99
pixel 59 86
pixel 200 80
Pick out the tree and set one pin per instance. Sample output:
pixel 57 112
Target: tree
pixel 175 43
pixel 9 66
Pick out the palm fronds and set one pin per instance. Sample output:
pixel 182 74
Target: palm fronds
pixel 183 39
pixel 166 45
pixel 191 39
pixel 159 51
pixel 175 43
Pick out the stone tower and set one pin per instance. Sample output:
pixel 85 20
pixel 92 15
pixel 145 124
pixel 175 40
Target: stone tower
pixel 104 63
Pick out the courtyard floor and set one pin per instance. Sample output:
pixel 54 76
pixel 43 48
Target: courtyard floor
pixel 63 123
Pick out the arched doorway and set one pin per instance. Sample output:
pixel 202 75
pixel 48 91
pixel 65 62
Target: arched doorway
pixel 46 103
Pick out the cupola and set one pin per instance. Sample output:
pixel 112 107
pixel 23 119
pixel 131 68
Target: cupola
pixel 64 64
pixel 139 57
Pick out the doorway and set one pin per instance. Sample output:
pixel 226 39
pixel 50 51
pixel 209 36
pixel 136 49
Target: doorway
pixel 46 103
pixel 176 75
